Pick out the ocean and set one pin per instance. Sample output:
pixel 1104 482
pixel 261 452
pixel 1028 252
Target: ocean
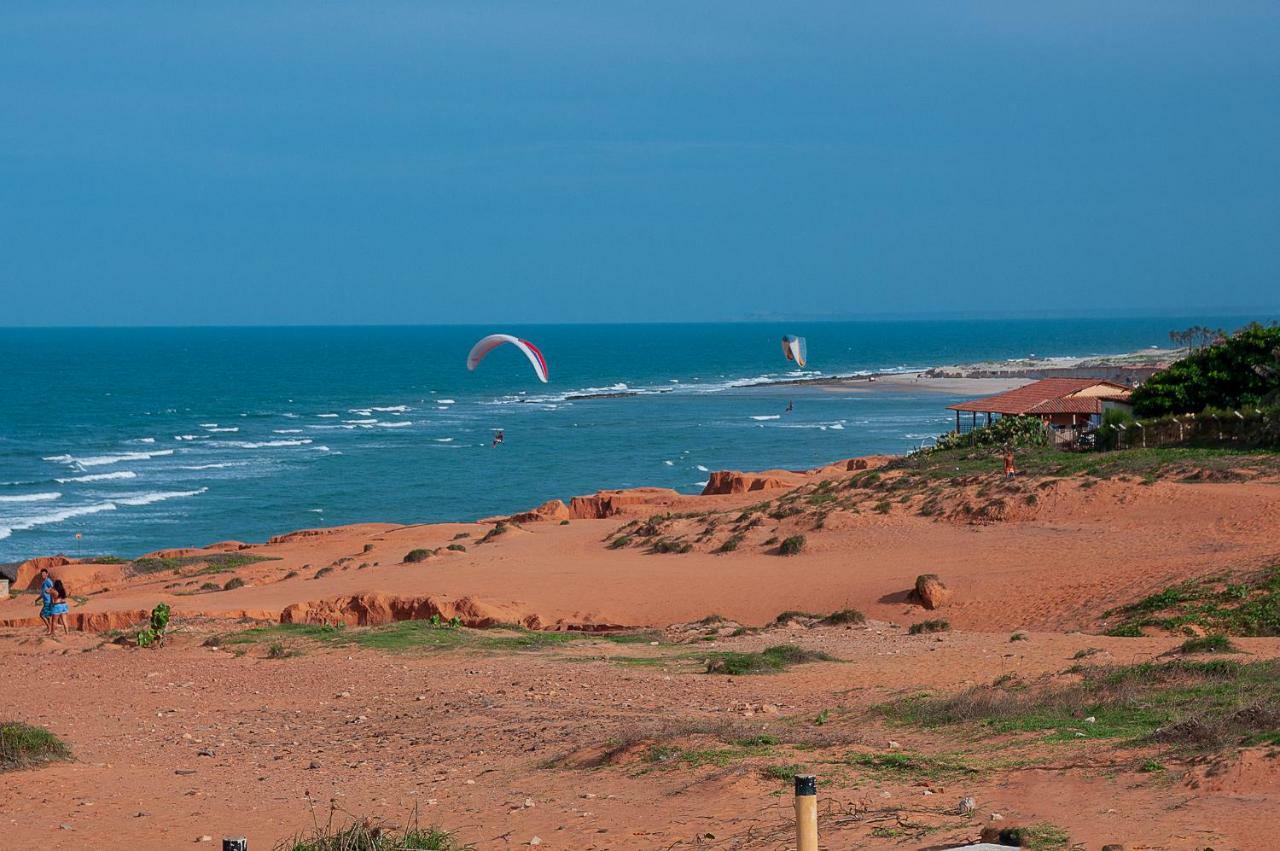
pixel 138 439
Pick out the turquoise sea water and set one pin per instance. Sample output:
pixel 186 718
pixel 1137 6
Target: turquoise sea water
pixel 148 438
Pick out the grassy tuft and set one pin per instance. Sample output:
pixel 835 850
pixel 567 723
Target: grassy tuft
pixel 25 746
pixel 768 661
pixel 791 546
pixel 1199 705
pixel 1208 644
pixel 929 626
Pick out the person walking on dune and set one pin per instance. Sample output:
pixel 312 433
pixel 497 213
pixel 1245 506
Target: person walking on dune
pixel 46 600
pixel 59 609
pixel 1009 470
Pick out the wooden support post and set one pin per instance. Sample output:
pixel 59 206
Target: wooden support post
pixel 806 812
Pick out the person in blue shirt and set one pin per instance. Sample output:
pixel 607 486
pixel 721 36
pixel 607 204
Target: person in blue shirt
pixel 46 600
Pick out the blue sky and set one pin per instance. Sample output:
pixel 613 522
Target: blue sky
pixel 427 162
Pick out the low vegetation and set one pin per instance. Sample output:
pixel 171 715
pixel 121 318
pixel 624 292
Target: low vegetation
pixel 435 634
pixel 213 563
pixel 1182 703
pixel 1245 605
pixel 936 625
pixel 767 661
pixel 418 555
pixel 371 835
pixel 791 546
pixel 25 746
pixel 154 631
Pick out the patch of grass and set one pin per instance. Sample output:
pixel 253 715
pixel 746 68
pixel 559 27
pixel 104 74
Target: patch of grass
pixel 1087 652
pixel 457 548
pixel 791 615
pixel 279 651
pixel 1208 644
pixel 425 635
pixel 935 625
pixel 791 546
pixel 785 773
pixel 845 616
pixel 324 571
pixel 1151 766
pixel 1183 703
pixel 1042 836
pixel 1019 636
pixel 214 563
pixel 910 764
pixel 232 584
pixel 1247 606
pixel 369 835
pixel 620 542
pixel 731 543
pixel 416 556
pixel 767 661
pixel 882 507
pixel 25 746
pixel 671 545
pixel 498 530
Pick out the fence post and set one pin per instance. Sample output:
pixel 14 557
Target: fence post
pixel 806 812
pixel 235 843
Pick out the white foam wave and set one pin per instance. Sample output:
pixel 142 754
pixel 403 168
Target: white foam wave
pixel 155 496
pixel 208 425
pixel 361 422
pixel 702 469
pixel 31 522
pixel 286 431
pixel 327 416
pixel 228 429
pixel 145 440
pixel 264 444
pixel 191 437
pixel 445 402
pixel 99 477
pixel 218 466
pixel 444 440
pixel 392 409
pixel 104 460
pixel 32 497
pixel 768 417
pixel 396 424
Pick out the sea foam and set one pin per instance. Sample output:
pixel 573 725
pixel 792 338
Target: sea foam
pixel 32 497
pixel 99 477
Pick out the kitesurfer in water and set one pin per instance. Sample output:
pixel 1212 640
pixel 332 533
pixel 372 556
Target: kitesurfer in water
pixel 497 438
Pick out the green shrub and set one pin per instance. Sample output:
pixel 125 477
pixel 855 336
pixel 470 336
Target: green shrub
pixel 929 626
pixel 1240 370
pixel 418 555
pixel 153 632
pixel 620 542
pixel 792 546
pixel 233 583
pixel 23 746
pixel 1013 431
pixel 845 616
pixel 457 548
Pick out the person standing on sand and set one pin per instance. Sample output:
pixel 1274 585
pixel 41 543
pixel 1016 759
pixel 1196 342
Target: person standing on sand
pixel 1009 470
pixel 59 609
pixel 46 600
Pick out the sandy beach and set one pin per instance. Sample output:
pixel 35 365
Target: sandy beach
pixel 586 741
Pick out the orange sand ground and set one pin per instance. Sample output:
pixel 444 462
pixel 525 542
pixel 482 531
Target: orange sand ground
pixel 465 737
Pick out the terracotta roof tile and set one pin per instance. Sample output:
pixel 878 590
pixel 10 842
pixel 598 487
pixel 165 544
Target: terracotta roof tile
pixel 1023 399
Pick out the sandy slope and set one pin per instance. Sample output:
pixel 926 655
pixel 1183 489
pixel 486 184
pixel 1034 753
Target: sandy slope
pixel 467 737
